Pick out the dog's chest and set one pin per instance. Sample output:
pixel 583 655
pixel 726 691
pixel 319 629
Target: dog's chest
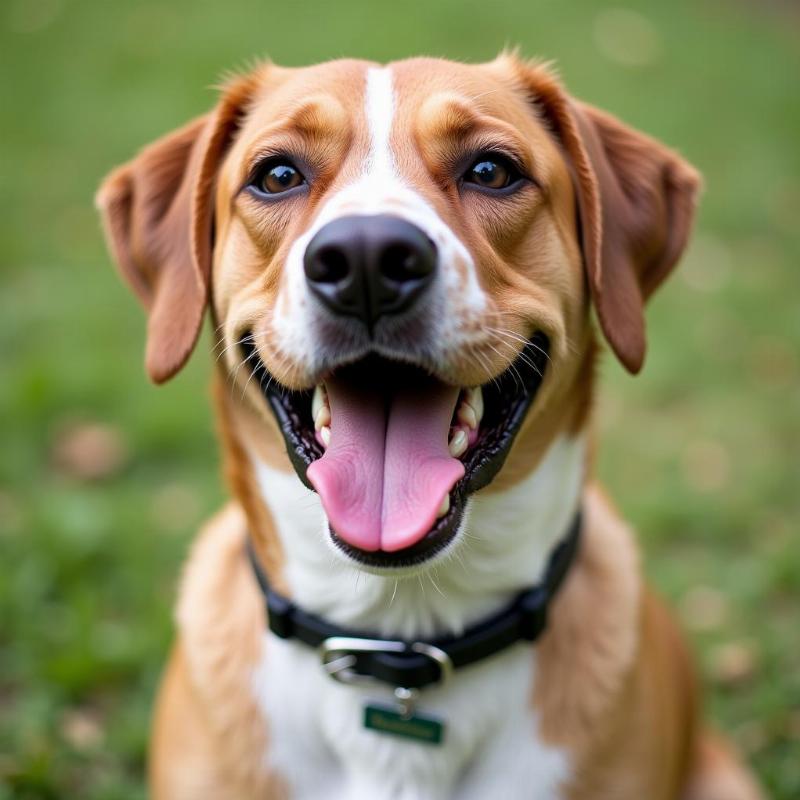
pixel 318 743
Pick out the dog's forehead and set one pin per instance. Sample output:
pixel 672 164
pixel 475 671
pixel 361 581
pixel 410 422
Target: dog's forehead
pixel 419 97
pixel 285 91
pixel 425 88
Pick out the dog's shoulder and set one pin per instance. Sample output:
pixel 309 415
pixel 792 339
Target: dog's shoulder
pixel 612 668
pixel 592 638
pixel 220 616
pixel 207 688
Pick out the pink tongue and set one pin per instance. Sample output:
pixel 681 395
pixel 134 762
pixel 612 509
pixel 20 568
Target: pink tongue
pixel 386 470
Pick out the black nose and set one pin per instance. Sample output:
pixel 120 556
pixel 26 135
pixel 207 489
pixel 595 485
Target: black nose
pixel 369 266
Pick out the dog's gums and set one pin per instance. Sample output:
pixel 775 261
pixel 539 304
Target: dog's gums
pixel 338 435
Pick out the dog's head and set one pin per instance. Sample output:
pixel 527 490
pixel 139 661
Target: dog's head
pixel 400 262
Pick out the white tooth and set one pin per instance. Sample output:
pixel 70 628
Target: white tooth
pixel 466 414
pixel 325 435
pixel 474 398
pixel 444 507
pixel 458 444
pixel 322 419
pixel 319 400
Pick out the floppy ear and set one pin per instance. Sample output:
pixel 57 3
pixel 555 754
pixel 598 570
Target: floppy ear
pixel 157 212
pixel 636 201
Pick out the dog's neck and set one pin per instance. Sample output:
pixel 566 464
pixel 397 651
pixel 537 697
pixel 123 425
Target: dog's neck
pixel 503 547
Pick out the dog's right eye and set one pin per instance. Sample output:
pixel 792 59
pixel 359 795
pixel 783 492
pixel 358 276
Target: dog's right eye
pixel 277 176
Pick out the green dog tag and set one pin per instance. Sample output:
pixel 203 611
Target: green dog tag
pixel 419 727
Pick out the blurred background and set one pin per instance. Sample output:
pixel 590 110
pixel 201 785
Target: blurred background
pixel 104 479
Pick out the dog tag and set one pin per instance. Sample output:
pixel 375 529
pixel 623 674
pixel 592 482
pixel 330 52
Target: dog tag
pixel 410 725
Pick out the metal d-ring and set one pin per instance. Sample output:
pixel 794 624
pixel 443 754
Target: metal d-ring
pixel 438 655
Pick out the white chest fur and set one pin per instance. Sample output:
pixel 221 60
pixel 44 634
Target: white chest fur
pixel 491 748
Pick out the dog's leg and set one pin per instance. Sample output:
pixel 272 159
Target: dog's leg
pixel 185 759
pixel 718 774
pixel 185 762
pixel 182 757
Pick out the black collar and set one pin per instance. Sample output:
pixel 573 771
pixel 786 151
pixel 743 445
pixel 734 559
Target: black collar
pixel 358 657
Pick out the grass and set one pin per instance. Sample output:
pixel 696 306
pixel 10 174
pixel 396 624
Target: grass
pixel 701 451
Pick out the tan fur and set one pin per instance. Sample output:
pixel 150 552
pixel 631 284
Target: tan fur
pixel 718 774
pixel 611 668
pixel 605 223
pixel 209 737
pixel 636 200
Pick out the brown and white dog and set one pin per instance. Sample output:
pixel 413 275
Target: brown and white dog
pixel 390 256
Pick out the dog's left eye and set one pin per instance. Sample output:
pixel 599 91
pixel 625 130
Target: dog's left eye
pixel 278 176
pixel 492 172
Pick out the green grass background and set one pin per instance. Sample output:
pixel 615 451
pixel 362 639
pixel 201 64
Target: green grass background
pixel 701 451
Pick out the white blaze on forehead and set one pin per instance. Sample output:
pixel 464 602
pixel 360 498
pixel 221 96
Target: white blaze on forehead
pixel 379 109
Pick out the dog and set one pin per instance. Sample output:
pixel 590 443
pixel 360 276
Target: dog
pixel 418 591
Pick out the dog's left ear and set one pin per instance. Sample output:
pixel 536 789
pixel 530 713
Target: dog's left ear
pixel 636 201
pixel 157 212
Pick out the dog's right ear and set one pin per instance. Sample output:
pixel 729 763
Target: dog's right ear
pixel 636 200
pixel 157 212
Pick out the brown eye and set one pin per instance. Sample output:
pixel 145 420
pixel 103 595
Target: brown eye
pixel 277 177
pixel 491 172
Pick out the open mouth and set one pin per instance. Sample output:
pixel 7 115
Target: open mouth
pixel 394 453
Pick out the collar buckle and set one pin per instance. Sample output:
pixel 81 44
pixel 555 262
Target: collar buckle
pixel 340 657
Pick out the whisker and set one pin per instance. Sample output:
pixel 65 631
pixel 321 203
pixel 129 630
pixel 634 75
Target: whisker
pixel 517 337
pixel 508 315
pixel 252 372
pixel 522 356
pixel 435 585
pixel 232 344
pixel 235 371
pixel 485 364
pixel 517 377
pixel 525 359
pixel 485 94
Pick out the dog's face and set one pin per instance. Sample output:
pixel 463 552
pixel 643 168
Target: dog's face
pixel 400 262
pixel 409 211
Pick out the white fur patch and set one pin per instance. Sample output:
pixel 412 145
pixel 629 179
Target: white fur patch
pixel 320 747
pixel 380 113
pixel 318 742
